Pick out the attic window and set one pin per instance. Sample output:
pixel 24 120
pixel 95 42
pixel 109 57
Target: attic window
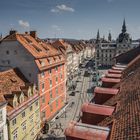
pixel 37 48
pixel 29 92
pixel 42 63
pixel 13 80
pixel 49 61
pixel 7 52
pixel 21 97
pixel 15 103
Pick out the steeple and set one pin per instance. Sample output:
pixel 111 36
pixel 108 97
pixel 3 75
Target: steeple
pixel 109 37
pixel 124 27
pixel 98 37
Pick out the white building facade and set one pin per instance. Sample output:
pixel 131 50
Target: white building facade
pixel 106 50
pixel 3 124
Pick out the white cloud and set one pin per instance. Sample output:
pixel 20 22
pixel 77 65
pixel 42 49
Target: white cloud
pixel 24 24
pixel 56 27
pixel 54 10
pixel 62 7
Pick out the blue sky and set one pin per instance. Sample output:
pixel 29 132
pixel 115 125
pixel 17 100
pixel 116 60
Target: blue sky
pixel 78 19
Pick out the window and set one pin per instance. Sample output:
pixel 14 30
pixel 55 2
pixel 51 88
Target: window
pixel 51 95
pixel 49 60
pixel 31 108
pixel 30 74
pixel 56 68
pixel 37 113
pixel 56 90
pixel 62 87
pixel 8 61
pixel 15 135
pixel 14 103
pixel 24 126
pixel 1 135
pixel 56 80
pixel 50 71
pixel 23 114
pixel 43 99
pixel 36 103
pixel 50 83
pixel 51 108
pixel 43 87
pixel 43 115
pixel 1 116
pixel 61 99
pixel 61 68
pixel 61 76
pixel 56 103
pixel 42 74
pixel 14 121
pixel 15 51
pixel 42 63
pixel 7 52
pixel 31 119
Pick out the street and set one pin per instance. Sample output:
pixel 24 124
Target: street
pixel 82 93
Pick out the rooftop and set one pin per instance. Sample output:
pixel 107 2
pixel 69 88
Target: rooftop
pixel 97 109
pixel 106 90
pixel 110 80
pixel 85 131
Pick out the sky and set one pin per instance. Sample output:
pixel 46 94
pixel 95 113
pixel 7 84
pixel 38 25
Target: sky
pixel 79 19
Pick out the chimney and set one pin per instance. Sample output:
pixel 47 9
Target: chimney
pixel 26 32
pixel 12 32
pixel 33 34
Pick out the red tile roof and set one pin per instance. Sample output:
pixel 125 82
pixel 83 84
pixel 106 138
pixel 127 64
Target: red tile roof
pixel 110 75
pixel 97 109
pixel 126 117
pixel 117 68
pixel 36 47
pixel 106 90
pixel 110 80
pixel 114 71
pixel 83 131
pixel 11 80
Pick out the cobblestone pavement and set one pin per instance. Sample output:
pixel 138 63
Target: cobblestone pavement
pixel 82 93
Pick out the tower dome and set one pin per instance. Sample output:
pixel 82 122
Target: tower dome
pixel 124 36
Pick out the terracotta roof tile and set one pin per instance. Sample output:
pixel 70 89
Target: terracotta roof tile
pixel 11 80
pixel 97 109
pixel 113 75
pixel 126 117
pixel 110 80
pixel 87 132
pixel 114 71
pixel 106 90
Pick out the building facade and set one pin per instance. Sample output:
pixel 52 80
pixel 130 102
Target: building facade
pixel 41 64
pixel 106 50
pixel 23 109
pixel 3 124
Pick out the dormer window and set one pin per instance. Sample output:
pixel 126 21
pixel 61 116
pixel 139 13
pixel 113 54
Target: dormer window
pixel 34 88
pixel 49 61
pixel 21 97
pixel 15 102
pixel 29 92
pixel 42 63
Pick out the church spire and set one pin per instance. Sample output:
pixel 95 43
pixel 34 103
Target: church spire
pixel 98 37
pixel 124 27
pixel 109 37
